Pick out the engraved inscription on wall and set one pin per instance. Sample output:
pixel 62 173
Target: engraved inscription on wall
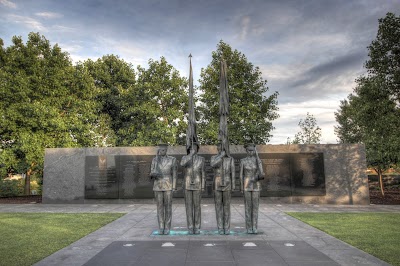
pixel 127 176
pixel 101 181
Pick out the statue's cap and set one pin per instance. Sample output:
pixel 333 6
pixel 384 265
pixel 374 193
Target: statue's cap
pixel 247 145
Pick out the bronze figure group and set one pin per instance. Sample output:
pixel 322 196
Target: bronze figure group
pixel 163 171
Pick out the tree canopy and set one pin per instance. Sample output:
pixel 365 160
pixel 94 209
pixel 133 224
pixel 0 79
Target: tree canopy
pixel 153 112
pixel 49 102
pixel 371 114
pixel 251 109
pixel 45 102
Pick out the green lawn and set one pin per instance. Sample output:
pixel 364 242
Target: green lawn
pixel 26 238
pixel 376 233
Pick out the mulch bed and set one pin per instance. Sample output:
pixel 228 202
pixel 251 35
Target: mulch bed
pixel 392 197
pixel 21 199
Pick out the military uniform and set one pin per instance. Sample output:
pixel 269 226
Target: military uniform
pixel 251 187
pixel 193 184
pixel 165 169
pixel 224 183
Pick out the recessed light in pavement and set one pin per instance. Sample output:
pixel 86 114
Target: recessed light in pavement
pixel 289 245
pixel 249 244
pixel 168 244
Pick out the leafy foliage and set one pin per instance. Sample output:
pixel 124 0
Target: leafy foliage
pixel 371 115
pixel 154 111
pixel 10 188
pixel 251 110
pixel 384 53
pixel 310 133
pixel 114 79
pixel 46 102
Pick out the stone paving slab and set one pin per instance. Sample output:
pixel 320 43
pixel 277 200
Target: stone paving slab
pixel 139 223
pixel 191 252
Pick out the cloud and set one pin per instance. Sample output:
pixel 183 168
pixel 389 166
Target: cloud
pixel 49 15
pixel 244 27
pixel 331 68
pixel 28 22
pixel 291 113
pixel 129 50
pixel 303 81
pixel 8 4
pixel 60 28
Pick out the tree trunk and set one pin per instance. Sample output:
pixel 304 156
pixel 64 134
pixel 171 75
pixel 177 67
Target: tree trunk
pixel 379 171
pixel 27 190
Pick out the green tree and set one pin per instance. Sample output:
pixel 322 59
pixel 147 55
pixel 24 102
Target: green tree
pixel 114 79
pixel 310 132
pixel 376 123
pixel 384 53
pixel 348 131
pixel 251 109
pixel 371 115
pixel 46 102
pixel 154 110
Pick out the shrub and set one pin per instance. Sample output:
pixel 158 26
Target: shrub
pixel 10 188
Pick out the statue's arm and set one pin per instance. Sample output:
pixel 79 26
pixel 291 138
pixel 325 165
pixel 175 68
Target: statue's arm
pixel 216 161
pixel 174 173
pixel 241 176
pixel 203 174
pixel 186 160
pixel 153 171
pixel 233 172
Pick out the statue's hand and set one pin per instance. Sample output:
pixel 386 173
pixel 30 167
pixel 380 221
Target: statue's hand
pixel 153 175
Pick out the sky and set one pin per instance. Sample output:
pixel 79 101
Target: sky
pixel 309 51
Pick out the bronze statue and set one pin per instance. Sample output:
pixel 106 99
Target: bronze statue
pixel 163 171
pixel 224 183
pixel 193 184
pixel 251 172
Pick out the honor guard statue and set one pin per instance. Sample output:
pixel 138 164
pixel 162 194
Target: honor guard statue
pixel 163 171
pixel 251 172
pixel 224 183
pixel 193 184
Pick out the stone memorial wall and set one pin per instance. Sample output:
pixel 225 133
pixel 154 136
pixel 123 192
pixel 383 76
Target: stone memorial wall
pixel 294 173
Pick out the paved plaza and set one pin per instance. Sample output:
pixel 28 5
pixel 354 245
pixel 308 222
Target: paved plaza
pixel 282 240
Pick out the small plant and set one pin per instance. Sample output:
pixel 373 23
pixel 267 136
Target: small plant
pixel 11 188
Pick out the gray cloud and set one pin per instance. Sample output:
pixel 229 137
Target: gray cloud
pixel 330 70
pixel 309 50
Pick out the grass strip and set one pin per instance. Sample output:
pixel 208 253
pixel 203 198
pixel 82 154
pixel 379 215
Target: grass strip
pixel 375 233
pixel 26 238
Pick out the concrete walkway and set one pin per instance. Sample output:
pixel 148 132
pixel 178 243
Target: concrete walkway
pixel 140 222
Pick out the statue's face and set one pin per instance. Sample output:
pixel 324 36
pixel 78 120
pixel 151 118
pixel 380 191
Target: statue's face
pixel 162 151
pixel 251 151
